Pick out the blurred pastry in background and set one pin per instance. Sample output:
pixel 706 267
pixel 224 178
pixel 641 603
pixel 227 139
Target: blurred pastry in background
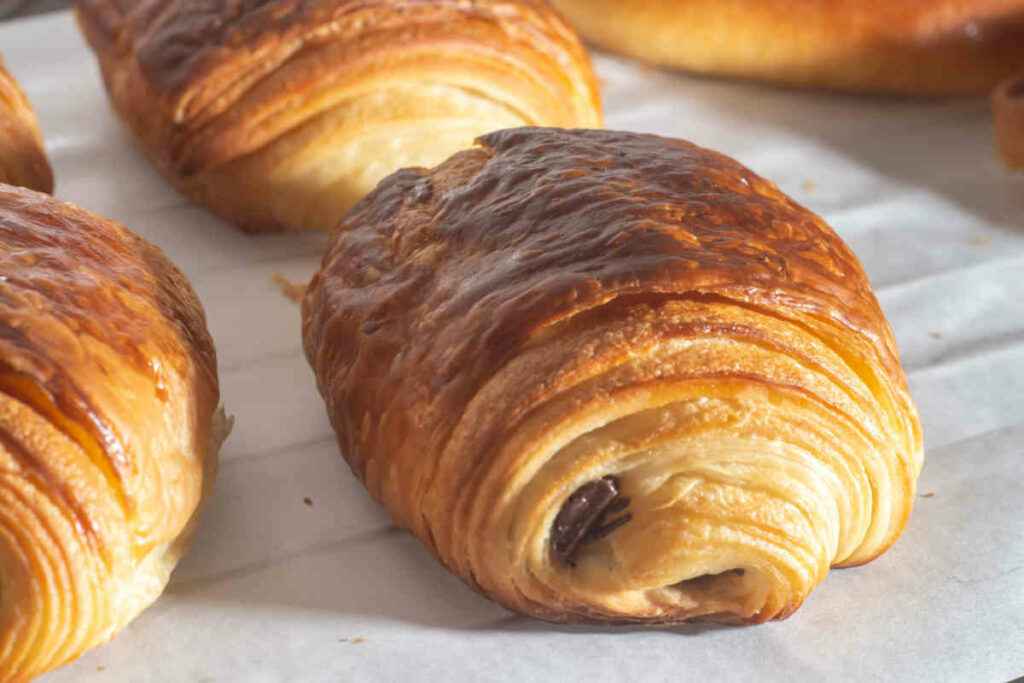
pixel 22 157
pixel 1008 104
pixel 281 115
pixel 907 47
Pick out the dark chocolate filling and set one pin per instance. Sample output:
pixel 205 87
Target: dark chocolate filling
pixel 586 517
pixel 1016 89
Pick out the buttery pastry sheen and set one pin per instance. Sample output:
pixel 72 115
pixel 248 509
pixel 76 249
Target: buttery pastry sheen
pixel 280 114
pixel 109 428
pixel 22 158
pixel 614 377
pixel 914 47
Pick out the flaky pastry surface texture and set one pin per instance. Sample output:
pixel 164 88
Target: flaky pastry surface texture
pixel 108 428
pixel 280 114
pixel 914 47
pixel 614 377
pixel 23 160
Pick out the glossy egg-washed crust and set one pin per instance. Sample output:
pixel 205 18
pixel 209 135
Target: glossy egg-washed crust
pixel 108 427
pixel 556 307
pixel 281 114
pixel 914 47
pixel 23 161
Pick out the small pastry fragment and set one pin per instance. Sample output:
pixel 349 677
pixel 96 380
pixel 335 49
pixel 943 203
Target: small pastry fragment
pixel 906 47
pixel 23 160
pixel 1008 104
pixel 614 377
pixel 279 115
pixel 109 428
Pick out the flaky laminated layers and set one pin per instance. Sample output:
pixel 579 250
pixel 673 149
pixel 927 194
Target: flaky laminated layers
pixel 614 377
pixel 280 115
pixel 919 47
pixel 108 428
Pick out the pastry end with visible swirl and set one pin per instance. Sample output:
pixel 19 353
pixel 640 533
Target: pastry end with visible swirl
pixel 614 377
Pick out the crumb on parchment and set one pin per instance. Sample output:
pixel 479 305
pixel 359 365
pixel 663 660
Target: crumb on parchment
pixel 291 290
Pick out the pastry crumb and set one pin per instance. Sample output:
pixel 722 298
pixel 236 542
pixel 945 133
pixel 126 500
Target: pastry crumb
pixel 979 241
pixel 930 494
pixel 354 641
pixel 292 290
pixel 935 335
pixel 809 185
pixel 308 501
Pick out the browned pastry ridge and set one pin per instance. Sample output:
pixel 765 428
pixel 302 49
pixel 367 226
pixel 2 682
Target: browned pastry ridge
pixel 109 428
pixel 913 47
pixel 614 377
pixel 22 158
pixel 280 114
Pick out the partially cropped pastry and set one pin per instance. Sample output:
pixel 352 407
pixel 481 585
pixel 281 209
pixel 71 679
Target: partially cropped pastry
pixel 1008 103
pixel 280 114
pixel 109 428
pixel 916 47
pixel 22 158
pixel 614 377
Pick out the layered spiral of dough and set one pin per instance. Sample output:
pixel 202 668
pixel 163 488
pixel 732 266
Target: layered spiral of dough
pixel 109 428
pixel 279 115
pixel 614 377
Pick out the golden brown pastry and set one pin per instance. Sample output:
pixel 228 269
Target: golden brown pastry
pixel 22 159
pixel 279 115
pixel 1008 104
pixel 109 428
pixel 916 47
pixel 614 377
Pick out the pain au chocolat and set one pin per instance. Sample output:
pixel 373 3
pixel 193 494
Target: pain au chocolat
pixel 914 47
pixel 280 114
pixel 23 161
pixel 614 377
pixel 109 428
